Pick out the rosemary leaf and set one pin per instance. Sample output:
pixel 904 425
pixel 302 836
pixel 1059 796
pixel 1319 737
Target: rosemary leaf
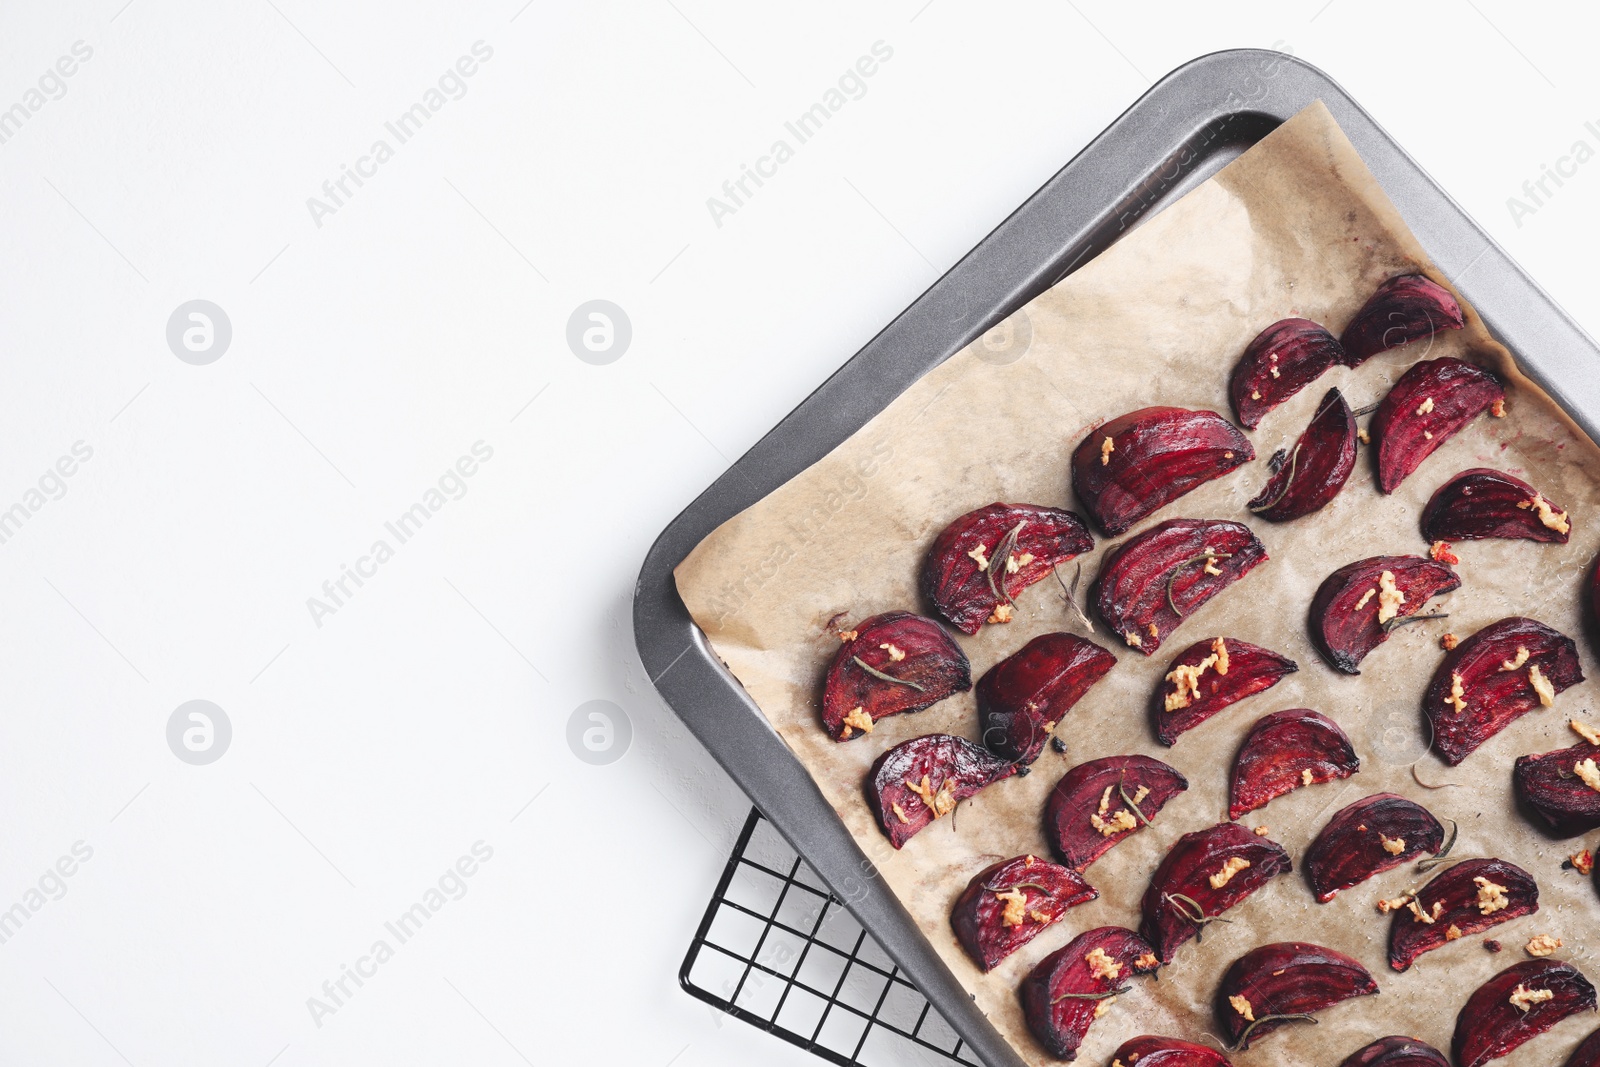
pixel 876 673
pixel 1294 465
pixel 1179 569
pixel 1244 1038
pixel 1092 996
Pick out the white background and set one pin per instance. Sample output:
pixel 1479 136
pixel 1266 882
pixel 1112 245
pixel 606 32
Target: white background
pixel 370 352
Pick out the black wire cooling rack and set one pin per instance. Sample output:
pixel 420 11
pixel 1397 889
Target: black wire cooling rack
pixel 779 951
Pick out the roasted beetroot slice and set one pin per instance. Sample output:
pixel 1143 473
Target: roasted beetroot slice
pixel 1354 608
pixel 1075 985
pixel 1466 899
pixel 1586 1054
pixel 1480 503
pixel 1024 696
pixel 1511 1008
pixel 1151 1051
pixel 1284 751
pixel 1210 675
pixel 923 779
pixel 1271 985
pixel 1005 906
pixel 1283 359
pixel 1203 875
pixel 1160 577
pixel 1396 1052
pixel 1494 677
pixel 1087 812
pixel 1024 541
pixel 1140 462
pixel 1429 403
pixel 897 662
pixel 1403 309
pixel 1373 835
pixel 1565 796
pixel 1316 468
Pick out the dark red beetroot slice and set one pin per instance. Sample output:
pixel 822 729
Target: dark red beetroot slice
pixel 1273 984
pixel 1005 906
pixel 1565 796
pixel 1098 803
pixel 1491 1025
pixel 1316 468
pixel 1142 461
pixel 1075 985
pixel 1157 578
pixel 1203 875
pixel 1404 309
pixel 1283 359
pixel 1588 1053
pixel 1024 696
pixel 1285 751
pixel 1210 675
pixel 1485 683
pixel 1151 1051
pixel 1396 1052
pixel 897 662
pixel 923 779
pixel 1353 610
pixel 1429 403
pixel 1467 899
pixel 1373 835
pixel 1023 540
pixel 1481 503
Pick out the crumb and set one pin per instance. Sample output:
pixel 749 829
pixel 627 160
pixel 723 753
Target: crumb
pixel 1585 731
pixel 1441 553
pixel 1498 408
pixel 1263 831
pixel 1364 437
pixel 1449 641
pixel 1492 945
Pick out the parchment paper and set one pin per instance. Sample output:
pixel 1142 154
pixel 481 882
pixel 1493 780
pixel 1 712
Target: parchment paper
pixel 1295 226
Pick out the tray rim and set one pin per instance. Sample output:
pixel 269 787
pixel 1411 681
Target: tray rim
pixel 1012 263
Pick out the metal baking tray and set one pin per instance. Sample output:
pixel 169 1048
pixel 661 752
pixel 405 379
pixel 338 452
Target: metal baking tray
pixel 1186 128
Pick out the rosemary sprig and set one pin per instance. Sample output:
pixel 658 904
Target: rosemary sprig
pixel 1244 1038
pixel 1198 916
pixel 1294 465
pixel 1368 410
pixel 1126 799
pixel 1439 857
pixel 1179 569
pixel 1092 996
pixel 1405 620
pixel 999 559
pixel 1071 595
pixel 876 673
pixel 1019 885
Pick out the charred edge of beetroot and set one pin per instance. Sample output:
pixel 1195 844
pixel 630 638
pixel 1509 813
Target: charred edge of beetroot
pixel 1396 1051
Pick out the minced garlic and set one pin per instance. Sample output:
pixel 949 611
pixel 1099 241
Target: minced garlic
pixel 1105 800
pixel 1139 794
pixel 1243 1007
pixel 900 813
pixel 1038 916
pixel 1263 831
pixel 1458 693
pixel 1103 1006
pixel 1016 563
pixel 1425 917
pixel 1187 678
pixel 1453 933
pixel 1102 965
pixel 848 635
pixel 1523 998
pixel 1255 394
pixel 1386 906
pixel 1146 963
pixel 1002 613
pixel 1542 945
pixel 940 803
pixel 1133 639
pixel 980 557
pixel 1306 777
pixel 1549 516
pixel 1389 597
pixel 1586 769
pixel 1363 436
pixel 1498 408
pixel 1016 907
pixel 1273 371
pixel 1153 631
pixel 859 719
pixel 1211 565
pixel 1582 861
pixel 1122 820
pixel 1107 447
pixel 895 654
pixel 1542 686
pixel 1448 641
pixel 1427 435
pixel 1229 868
pixel 1515 664
pixel 1585 731
pixel 1392 845
pixel 1491 897
pixel 1425 407
pixel 1368 595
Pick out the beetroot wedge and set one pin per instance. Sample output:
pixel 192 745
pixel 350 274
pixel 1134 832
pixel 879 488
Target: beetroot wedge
pixel 1285 751
pixel 962 574
pixel 923 779
pixel 1494 677
pixel 1140 462
pixel 1075 985
pixel 1563 787
pixel 1396 1052
pixel 1210 675
pixel 1275 984
pixel 1098 803
pixel 1024 696
pixel 1160 577
pixel 1357 605
pixel 1203 875
pixel 1005 906
pixel 1429 403
pixel 1517 1005
pixel 1404 309
pixel 896 662
pixel 1480 503
pixel 1151 1051
pixel 1373 835
pixel 1586 1054
pixel 1466 899
pixel 1283 359
pixel 1316 468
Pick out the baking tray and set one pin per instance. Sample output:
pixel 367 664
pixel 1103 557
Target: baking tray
pixel 1186 128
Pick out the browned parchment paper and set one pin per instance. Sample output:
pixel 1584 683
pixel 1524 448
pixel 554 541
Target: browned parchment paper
pixel 1296 226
